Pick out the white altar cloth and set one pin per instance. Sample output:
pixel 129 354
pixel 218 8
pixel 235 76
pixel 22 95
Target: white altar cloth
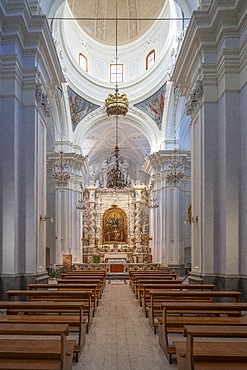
pixel 115 256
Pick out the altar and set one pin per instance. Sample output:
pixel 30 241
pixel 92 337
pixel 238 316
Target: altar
pixel 116 260
pixel 111 256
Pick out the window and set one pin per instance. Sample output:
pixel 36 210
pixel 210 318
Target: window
pixel 83 62
pixel 150 59
pixel 116 72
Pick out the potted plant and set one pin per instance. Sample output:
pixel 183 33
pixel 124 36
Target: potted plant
pixel 53 273
pixel 96 259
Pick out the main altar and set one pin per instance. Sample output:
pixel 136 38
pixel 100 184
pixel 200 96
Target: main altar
pixel 116 226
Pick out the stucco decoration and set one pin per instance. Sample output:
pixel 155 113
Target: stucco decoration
pixel 154 105
pixel 79 108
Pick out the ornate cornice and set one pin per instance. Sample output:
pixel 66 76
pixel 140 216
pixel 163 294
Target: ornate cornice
pixel 210 51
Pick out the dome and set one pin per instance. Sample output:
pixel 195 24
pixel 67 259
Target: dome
pixel 93 17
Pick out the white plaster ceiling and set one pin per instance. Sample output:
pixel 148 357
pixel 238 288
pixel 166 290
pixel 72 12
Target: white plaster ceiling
pixel 136 140
pixel 144 12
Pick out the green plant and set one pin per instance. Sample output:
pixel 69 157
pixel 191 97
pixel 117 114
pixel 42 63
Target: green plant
pixel 54 273
pixel 96 259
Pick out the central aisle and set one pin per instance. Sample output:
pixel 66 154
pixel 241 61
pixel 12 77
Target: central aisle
pixel 120 337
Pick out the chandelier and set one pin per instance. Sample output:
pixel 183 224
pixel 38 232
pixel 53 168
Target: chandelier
pixel 175 166
pixel 60 174
pixel 116 105
pixel 115 177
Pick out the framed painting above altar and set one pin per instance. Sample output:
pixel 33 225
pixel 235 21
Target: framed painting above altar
pixel 114 226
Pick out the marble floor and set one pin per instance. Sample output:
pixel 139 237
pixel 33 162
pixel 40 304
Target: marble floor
pixel 120 337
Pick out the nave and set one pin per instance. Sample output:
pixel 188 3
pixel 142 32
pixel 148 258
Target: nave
pixel 120 337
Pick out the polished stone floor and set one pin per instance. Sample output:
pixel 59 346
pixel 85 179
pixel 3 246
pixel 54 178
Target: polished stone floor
pixel 120 337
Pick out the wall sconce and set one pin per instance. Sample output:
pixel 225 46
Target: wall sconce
pixel 45 218
pixel 190 218
pixel 194 218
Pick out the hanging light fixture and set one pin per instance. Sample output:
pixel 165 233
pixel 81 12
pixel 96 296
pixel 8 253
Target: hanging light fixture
pixel 116 105
pixel 60 173
pixel 175 166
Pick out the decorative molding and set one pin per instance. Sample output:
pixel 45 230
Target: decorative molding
pixel 42 100
pixel 195 98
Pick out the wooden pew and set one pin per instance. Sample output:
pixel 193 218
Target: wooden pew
pixel 146 288
pixel 154 280
pixel 159 296
pixel 87 274
pixel 150 276
pixel 93 288
pixel 83 280
pixel 177 314
pixel 70 313
pixel 203 355
pixel 58 296
pixel 138 289
pixel 44 354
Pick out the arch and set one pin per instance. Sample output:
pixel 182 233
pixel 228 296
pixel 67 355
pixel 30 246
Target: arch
pixel 114 226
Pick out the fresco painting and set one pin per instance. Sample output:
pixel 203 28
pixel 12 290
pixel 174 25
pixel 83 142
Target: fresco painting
pixel 79 108
pixel 154 105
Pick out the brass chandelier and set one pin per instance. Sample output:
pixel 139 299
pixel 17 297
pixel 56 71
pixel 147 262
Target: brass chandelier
pixel 115 177
pixel 116 105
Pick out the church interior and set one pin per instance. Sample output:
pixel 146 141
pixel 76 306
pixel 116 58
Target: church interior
pixel 123 141
pixel 123 130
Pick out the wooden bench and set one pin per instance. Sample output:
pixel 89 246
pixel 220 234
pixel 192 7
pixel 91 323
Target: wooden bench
pixel 145 288
pixel 150 277
pixel 77 280
pixel 49 353
pixel 93 288
pixel 58 296
pixel 177 314
pixel 87 275
pixel 70 313
pixel 133 275
pixel 153 280
pixel 138 289
pixel 210 354
pixel 159 296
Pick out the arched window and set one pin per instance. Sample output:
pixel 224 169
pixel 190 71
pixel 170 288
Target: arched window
pixel 83 63
pixel 150 59
pixel 116 73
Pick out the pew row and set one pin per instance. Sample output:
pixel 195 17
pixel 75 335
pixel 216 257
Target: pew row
pixel 177 314
pixel 158 296
pixel 210 354
pixel 70 313
pixel 58 296
pixel 145 295
pixel 33 352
